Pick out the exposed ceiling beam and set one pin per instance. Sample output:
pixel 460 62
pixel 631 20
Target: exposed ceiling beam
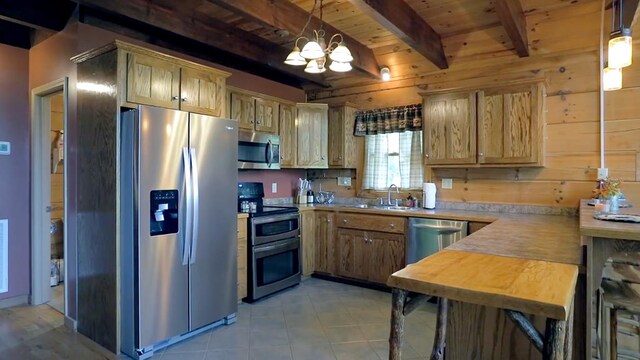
pixel 39 14
pixel 284 15
pixel 514 22
pixel 15 34
pixel 402 21
pixel 240 44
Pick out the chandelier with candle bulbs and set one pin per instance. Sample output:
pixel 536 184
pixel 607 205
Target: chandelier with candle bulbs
pixel 314 53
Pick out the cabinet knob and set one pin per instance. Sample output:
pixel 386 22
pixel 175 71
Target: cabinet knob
pixel 344 221
pixel 328 220
pixel 323 157
pixel 392 225
pixel 481 154
pixel 259 122
pixel 426 155
pixel 174 98
pixel 339 157
pixel 251 121
pixel 281 157
pixel 184 99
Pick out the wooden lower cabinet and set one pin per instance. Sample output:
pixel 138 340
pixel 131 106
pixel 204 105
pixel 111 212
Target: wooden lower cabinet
pixel 324 239
pixel 242 258
pixel 369 255
pixel 307 239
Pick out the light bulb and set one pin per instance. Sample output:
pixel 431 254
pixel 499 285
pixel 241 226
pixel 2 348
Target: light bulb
pixel 620 49
pixel 385 73
pixel 314 68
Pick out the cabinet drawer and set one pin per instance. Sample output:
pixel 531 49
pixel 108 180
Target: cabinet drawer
pixel 372 223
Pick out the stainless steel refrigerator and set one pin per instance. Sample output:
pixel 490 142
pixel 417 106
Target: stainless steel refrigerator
pixel 178 226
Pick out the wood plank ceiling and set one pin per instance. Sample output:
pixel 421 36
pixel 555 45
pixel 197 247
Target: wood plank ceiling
pixel 415 38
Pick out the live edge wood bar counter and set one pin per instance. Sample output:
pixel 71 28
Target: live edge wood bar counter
pixel 531 264
pixel 494 287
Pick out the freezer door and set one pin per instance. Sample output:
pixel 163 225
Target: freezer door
pixel 213 270
pixel 163 295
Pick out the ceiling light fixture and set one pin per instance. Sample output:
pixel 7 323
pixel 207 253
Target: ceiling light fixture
pixel 314 53
pixel 385 73
pixel 620 42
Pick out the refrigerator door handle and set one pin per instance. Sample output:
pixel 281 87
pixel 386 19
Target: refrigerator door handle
pixel 186 239
pixel 196 206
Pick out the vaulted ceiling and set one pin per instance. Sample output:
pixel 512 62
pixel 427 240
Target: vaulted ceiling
pixel 412 37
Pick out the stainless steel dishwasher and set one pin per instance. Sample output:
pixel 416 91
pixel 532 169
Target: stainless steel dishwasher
pixel 428 236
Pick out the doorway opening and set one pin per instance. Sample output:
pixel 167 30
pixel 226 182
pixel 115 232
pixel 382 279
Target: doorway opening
pixel 49 195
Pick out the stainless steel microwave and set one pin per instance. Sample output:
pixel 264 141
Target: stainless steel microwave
pixel 258 151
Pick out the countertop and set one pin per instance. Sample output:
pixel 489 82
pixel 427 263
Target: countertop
pixel 552 238
pixel 243 215
pixel 607 229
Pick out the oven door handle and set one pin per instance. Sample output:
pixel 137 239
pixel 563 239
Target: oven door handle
pixel 276 248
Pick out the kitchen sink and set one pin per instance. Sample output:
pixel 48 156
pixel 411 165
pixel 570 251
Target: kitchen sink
pixel 391 207
pixel 359 206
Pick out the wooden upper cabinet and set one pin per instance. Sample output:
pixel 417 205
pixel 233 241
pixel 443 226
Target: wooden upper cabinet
pixel 266 115
pixel 202 92
pixel 450 128
pixel 288 135
pixel 242 109
pixel 160 80
pixel 312 136
pixel 345 150
pixel 509 125
pixel 152 81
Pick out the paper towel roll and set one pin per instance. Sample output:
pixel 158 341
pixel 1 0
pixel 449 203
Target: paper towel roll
pixel 429 195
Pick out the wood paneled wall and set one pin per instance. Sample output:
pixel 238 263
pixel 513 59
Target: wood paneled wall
pixel 569 63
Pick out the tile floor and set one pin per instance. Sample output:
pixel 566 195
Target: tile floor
pixel 316 320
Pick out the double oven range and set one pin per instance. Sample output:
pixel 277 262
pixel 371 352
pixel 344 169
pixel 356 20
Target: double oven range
pixel 273 251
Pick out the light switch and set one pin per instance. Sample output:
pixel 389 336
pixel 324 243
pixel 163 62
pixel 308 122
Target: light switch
pixel 274 188
pixel 5 148
pixel 447 183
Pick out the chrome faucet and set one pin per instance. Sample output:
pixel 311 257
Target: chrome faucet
pixel 389 194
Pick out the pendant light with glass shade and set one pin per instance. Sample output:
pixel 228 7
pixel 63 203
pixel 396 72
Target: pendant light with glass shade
pixel 620 41
pixel 314 52
pixel 611 79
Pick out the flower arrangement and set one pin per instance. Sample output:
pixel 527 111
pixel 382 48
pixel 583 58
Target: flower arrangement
pixel 608 188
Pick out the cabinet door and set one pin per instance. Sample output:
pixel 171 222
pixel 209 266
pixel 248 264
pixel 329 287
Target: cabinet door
pixel 386 255
pixel 508 124
pixel 202 92
pixel 352 254
pixel 288 143
pixel 152 81
pixel 242 258
pixel 336 136
pixel 243 110
pixel 307 236
pixel 450 129
pixel 267 115
pixel 312 136
pixel 324 242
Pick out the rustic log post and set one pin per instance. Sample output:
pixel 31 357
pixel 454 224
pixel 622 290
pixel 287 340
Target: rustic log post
pixel 523 323
pixel 568 337
pixel 439 343
pixel 554 340
pixel 398 299
pixel 613 330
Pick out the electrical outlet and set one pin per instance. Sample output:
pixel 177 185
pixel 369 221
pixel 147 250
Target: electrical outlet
pixel 5 148
pixel 603 173
pixel 447 183
pixel 344 181
pixel 274 188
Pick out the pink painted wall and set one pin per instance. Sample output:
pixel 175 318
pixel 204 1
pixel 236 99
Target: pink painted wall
pixel 14 169
pixel 285 178
pixel 49 61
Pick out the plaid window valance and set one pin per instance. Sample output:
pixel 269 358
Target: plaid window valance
pixel 389 120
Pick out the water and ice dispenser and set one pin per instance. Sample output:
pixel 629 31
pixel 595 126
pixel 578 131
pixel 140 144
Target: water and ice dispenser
pixel 164 212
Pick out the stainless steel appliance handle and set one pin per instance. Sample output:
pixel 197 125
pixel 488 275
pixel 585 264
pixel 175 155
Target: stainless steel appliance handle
pixel 196 206
pixel 278 247
pixel 438 229
pixel 186 239
pixel 269 153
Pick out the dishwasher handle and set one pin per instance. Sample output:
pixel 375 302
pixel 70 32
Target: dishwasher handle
pixel 445 230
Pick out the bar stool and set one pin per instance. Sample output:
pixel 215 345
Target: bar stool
pixel 516 286
pixel 620 293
